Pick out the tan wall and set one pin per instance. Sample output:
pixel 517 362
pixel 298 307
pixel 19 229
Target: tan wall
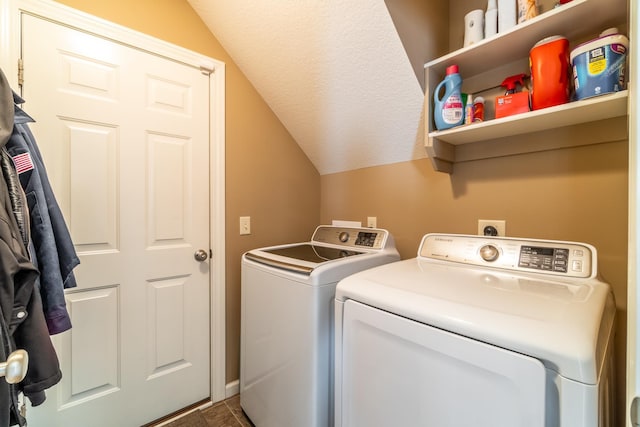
pixel 268 177
pixel 577 194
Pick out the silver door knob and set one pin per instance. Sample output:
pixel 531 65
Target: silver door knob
pixel 200 255
pixel 15 368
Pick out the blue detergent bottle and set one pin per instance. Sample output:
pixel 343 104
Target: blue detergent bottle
pixel 448 110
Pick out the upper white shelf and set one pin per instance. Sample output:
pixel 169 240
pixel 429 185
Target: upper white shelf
pixel 574 20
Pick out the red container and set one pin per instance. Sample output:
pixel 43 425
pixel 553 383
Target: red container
pixel 550 72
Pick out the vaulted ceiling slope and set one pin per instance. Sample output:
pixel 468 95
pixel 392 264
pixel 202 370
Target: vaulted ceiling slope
pixel 334 72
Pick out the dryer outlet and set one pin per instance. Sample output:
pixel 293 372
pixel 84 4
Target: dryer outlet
pixel 488 227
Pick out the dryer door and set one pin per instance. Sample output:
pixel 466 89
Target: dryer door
pixel 398 372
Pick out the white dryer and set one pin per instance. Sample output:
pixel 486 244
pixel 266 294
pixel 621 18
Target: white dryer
pixel 477 331
pixel 286 339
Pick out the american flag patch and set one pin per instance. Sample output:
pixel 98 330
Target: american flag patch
pixel 23 162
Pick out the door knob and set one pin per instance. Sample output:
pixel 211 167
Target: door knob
pixel 200 255
pixel 15 368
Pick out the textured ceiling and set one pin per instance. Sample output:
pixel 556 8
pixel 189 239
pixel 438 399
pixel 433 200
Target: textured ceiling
pixel 333 71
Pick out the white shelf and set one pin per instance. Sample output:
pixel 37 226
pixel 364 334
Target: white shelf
pixel 574 113
pixel 481 64
pixel 574 20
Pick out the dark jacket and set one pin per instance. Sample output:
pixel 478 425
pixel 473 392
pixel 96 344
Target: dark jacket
pixel 22 322
pixel 17 278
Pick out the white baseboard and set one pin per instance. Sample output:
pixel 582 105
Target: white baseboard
pixel 232 388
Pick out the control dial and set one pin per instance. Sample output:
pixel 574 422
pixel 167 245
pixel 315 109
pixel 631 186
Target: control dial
pixel 344 237
pixel 489 253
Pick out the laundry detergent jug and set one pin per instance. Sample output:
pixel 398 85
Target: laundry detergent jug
pixel 448 109
pixel 550 72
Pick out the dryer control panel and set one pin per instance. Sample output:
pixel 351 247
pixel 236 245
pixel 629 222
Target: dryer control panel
pixel 569 259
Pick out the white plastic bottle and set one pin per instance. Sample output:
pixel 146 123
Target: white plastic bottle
pixel 506 14
pixel 491 19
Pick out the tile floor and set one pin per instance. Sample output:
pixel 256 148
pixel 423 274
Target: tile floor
pixel 222 414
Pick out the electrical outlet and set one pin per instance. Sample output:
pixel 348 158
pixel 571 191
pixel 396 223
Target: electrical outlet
pixel 372 222
pixel 245 225
pixel 499 225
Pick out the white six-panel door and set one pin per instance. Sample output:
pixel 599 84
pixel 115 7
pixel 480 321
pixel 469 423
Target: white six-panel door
pixel 125 138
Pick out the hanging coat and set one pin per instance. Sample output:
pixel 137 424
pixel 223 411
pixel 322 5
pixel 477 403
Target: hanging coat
pixel 22 321
pixel 55 256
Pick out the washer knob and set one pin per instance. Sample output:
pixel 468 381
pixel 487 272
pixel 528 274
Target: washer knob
pixel 344 236
pixel 489 253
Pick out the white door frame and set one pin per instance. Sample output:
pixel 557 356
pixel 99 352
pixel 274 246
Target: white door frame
pixel 632 412
pixel 10 11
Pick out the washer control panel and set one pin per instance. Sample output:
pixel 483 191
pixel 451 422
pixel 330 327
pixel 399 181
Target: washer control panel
pixel 569 259
pixel 374 238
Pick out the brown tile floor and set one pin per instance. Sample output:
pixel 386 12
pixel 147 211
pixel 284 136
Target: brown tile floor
pixel 222 414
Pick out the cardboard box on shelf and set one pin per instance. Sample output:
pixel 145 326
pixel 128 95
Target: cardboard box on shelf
pixel 515 103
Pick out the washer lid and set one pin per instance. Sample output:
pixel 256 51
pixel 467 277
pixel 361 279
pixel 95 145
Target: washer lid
pixel 328 243
pixel 566 324
pixel 301 258
pixel 312 253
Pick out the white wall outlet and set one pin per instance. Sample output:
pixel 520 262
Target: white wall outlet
pixel 486 226
pixel 245 225
pixel 372 222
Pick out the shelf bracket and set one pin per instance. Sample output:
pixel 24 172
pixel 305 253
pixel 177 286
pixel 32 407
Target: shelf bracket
pixel 441 154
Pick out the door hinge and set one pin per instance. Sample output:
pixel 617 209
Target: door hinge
pixel 207 67
pixel 20 72
pixel 635 420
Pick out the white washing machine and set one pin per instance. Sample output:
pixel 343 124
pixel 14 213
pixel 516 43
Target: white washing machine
pixel 477 331
pixel 286 357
